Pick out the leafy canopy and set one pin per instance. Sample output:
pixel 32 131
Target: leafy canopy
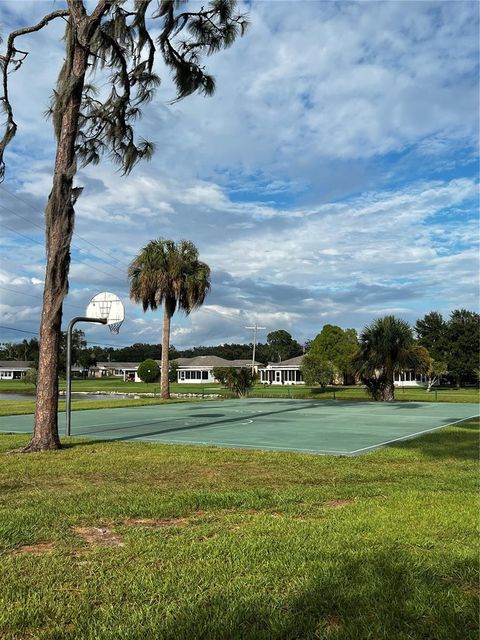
pixel 336 345
pixel 148 371
pixel 169 273
pixel 119 38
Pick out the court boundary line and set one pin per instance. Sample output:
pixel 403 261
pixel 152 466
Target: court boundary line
pixel 413 435
pixel 246 446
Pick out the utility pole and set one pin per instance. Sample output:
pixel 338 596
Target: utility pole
pixel 255 329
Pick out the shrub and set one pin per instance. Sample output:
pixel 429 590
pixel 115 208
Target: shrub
pixel 240 381
pixel 316 370
pixel 148 371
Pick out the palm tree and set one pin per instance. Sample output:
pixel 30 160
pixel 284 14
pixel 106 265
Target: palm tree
pixel 387 345
pixel 169 274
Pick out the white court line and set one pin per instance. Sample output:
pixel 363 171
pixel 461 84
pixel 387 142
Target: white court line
pixel 412 435
pixel 241 445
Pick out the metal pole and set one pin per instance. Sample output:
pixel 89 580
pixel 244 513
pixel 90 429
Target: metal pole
pixel 255 329
pixel 68 396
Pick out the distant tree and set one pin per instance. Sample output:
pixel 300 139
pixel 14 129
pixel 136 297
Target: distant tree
pixel 386 345
pixel 78 345
pixel 316 370
pixel 431 332
pixel 172 371
pixel 240 381
pixel 282 346
pixel 107 76
pixel 31 376
pixel 435 372
pixel 221 374
pixel 86 359
pixel 463 340
pixel 338 346
pixel 148 371
pixel 170 274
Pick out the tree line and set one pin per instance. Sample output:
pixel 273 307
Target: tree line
pixel 452 346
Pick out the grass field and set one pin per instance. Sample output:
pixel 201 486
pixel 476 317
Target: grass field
pixel 111 541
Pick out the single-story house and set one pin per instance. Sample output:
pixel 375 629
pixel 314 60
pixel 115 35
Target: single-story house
pixel 14 369
pixel 284 372
pixel 409 379
pixel 200 368
pixel 125 370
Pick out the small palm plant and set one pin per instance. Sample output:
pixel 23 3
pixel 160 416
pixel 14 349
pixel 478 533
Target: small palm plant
pixel 169 274
pixel 387 345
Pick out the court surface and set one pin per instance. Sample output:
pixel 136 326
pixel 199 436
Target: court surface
pixel 322 427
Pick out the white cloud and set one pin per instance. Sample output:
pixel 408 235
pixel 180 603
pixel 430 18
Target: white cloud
pixel 329 178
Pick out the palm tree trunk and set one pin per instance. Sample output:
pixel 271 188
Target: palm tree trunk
pixel 59 218
pixel 164 382
pixel 389 390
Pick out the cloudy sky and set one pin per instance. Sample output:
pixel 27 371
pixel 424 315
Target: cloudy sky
pixel 332 178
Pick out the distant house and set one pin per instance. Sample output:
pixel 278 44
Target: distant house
pixel 14 369
pixel 125 370
pixel 200 368
pixel 284 372
pixel 409 379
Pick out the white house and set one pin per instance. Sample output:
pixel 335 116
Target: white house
pixel 200 368
pixel 409 379
pixel 284 372
pixel 125 370
pixel 13 369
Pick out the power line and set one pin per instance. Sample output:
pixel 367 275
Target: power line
pixel 2 224
pixel 43 230
pixel 92 342
pixel 30 295
pixel 75 233
pixel 110 275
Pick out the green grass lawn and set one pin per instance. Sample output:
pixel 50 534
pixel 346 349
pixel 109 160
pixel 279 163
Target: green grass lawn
pixel 136 541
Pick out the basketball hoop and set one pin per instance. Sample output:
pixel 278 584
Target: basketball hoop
pixel 108 306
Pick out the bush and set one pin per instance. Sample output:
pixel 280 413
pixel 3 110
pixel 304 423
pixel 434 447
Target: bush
pixel 240 381
pixel 31 376
pixel 315 370
pixel 148 371
pixel 172 371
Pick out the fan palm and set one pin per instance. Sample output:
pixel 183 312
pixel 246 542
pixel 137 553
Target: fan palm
pixel 387 345
pixel 168 273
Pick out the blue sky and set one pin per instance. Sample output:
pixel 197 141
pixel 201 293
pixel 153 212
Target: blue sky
pixel 332 178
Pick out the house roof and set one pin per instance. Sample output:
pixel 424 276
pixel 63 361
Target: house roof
pixel 15 364
pixel 118 365
pixel 212 361
pixel 291 362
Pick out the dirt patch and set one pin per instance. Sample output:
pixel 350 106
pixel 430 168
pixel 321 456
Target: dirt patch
pixel 471 590
pixel 330 624
pixel 98 536
pixel 34 549
pixel 153 523
pixel 335 504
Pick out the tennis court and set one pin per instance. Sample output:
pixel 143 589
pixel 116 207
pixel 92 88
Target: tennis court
pixel 321 427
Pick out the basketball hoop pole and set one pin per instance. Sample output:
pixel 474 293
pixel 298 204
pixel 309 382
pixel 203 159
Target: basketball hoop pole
pixel 68 396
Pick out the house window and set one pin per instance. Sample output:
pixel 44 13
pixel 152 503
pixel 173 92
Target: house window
pixel 204 375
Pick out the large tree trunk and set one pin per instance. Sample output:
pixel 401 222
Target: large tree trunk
pixel 389 389
pixel 59 217
pixel 164 381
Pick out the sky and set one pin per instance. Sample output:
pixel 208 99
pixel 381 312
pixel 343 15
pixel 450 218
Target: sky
pixel 332 178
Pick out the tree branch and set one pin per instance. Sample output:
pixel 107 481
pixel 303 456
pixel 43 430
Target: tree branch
pixel 5 61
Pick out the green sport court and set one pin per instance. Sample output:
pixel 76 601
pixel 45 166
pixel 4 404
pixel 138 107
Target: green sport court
pixel 307 426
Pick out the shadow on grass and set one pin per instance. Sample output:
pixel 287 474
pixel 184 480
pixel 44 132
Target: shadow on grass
pixel 387 594
pixel 461 442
